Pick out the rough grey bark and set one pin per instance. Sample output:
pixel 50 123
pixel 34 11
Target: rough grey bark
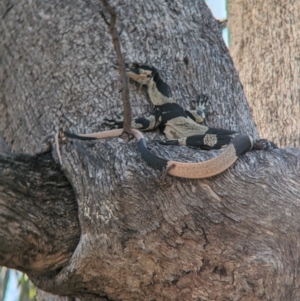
pixel 234 236
pixel 205 240
pixel 264 43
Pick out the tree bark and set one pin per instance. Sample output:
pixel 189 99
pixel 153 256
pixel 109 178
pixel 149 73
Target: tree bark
pixel 234 236
pixel 264 43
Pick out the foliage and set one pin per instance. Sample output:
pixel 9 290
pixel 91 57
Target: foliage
pixel 25 290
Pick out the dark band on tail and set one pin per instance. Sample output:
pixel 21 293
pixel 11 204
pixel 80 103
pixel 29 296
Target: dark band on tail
pixel 152 160
pixel 242 144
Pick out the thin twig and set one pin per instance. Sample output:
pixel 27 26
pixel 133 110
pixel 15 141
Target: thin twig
pixel 122 70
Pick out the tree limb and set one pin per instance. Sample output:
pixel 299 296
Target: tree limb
pixel 39 224
pixel 180 236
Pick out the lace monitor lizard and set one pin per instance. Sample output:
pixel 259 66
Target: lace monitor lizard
pixel 181 127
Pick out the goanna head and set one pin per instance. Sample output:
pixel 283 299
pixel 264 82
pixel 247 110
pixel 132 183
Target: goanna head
pixel 141 73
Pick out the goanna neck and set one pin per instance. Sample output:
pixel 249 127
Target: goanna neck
pixel 159 91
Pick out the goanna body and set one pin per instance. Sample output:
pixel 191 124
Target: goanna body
pixel 181 127
pixel 174 122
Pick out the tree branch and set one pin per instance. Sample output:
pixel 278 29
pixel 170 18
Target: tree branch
pixel 180 235
pixel 38 208
pixel 122 71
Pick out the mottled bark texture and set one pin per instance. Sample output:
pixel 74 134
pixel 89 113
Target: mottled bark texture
pixel 265 43
pixel 232 237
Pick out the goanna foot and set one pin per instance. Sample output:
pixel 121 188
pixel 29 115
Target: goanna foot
pixel 264 144
pixel 201 105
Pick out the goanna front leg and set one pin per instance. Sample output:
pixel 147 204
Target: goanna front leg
pixel 212 139
pixel 198 114
pixel 141 123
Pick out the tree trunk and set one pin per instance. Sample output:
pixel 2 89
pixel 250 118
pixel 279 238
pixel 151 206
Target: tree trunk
pixel 264 43
pixel 230 237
